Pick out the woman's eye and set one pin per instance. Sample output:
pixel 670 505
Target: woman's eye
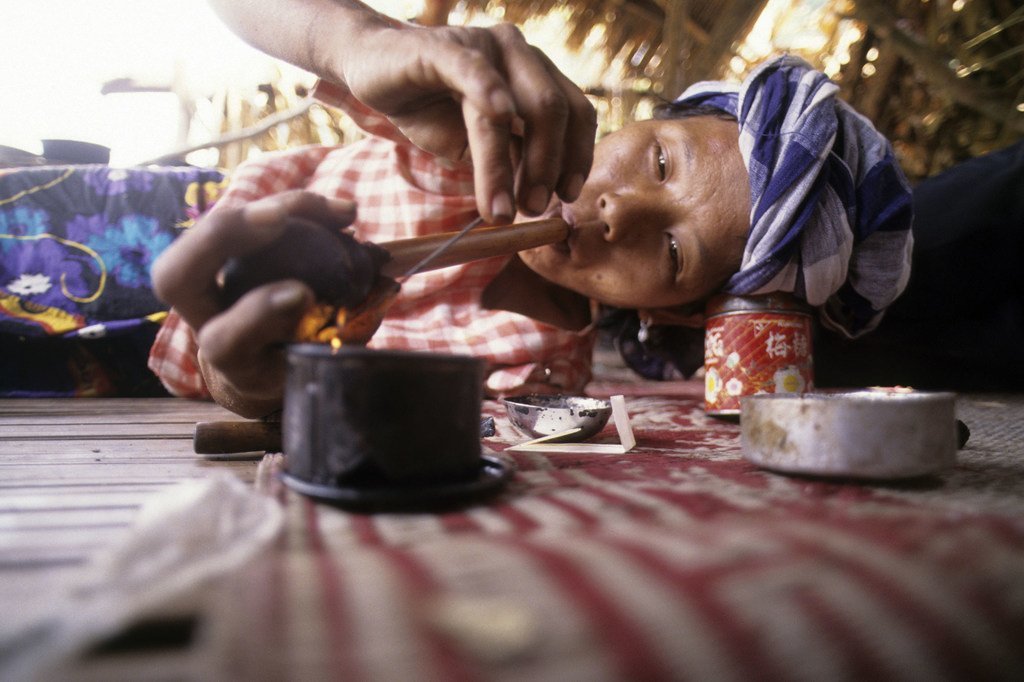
pixel 673 254
pixel 660 162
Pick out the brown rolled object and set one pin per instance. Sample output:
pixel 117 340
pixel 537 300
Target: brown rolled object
pixel 221 438
pixel 478 243
pixel 229 437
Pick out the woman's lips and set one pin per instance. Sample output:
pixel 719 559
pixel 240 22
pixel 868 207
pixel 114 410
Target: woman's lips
pixel 567 216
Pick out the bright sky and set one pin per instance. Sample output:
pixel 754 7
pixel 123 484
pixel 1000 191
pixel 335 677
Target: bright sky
pixel 57 53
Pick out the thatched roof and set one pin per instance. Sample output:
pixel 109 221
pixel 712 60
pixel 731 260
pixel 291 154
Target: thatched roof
pixel 943 79
pixel 645 34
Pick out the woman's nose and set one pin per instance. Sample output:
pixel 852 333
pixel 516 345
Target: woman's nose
pixel 614 209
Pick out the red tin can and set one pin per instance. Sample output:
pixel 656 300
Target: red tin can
pixel 755 344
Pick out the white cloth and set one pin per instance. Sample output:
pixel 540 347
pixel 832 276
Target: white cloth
pixel 183 537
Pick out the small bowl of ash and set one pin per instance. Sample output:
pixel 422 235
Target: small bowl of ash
pixel 538 416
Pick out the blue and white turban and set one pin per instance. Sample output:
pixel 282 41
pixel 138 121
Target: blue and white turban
pixel 830 208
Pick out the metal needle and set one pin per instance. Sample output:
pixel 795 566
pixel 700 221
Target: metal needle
pixel 441 249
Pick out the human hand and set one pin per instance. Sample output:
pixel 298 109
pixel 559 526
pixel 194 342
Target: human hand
pixel 241 347
pixel 480 93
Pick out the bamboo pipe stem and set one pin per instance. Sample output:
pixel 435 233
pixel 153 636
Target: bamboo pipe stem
pixel 481 242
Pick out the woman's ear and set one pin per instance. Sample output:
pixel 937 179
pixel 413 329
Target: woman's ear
pixel 679 316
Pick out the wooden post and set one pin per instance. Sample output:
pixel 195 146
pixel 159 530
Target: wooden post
pixel 677 43
pixel 435 12
pixel 734 21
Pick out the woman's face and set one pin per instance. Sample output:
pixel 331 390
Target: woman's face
pixel 661 220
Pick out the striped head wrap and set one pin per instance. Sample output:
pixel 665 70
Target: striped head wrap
pixel 831 211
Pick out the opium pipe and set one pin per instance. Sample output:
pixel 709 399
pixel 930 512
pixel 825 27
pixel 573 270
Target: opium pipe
pixel 478 243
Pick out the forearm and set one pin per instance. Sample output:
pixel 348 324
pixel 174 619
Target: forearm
pixel 315 35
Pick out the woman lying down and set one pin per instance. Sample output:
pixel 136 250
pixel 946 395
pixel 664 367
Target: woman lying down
pixel 771 185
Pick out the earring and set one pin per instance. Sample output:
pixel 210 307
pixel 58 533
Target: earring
pixel 644 332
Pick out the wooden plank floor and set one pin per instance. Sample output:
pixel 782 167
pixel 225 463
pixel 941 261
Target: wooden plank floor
pixel 73 474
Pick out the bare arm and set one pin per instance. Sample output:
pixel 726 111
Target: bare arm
pixel 315 35
pixel 458 92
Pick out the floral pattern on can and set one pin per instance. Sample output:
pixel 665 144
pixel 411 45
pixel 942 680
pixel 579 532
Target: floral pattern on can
pixel 755 344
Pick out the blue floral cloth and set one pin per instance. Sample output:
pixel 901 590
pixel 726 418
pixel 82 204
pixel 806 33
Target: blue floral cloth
pixel 77 312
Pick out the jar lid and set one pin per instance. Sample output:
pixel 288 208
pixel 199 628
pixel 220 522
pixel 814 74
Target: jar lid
pixel 775 302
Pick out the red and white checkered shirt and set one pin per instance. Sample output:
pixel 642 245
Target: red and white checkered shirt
pixel 402 192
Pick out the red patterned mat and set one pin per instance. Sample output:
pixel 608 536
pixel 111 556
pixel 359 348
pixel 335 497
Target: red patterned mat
pixel 677 560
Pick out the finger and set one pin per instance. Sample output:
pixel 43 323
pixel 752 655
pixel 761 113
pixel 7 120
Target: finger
pixel 437 127
pixel 472 72
pixel 328 211
pixel 472 76
pixel 185 275
pixel 580 136
pixel 246 342
pixel 489 144
pixel 543 105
